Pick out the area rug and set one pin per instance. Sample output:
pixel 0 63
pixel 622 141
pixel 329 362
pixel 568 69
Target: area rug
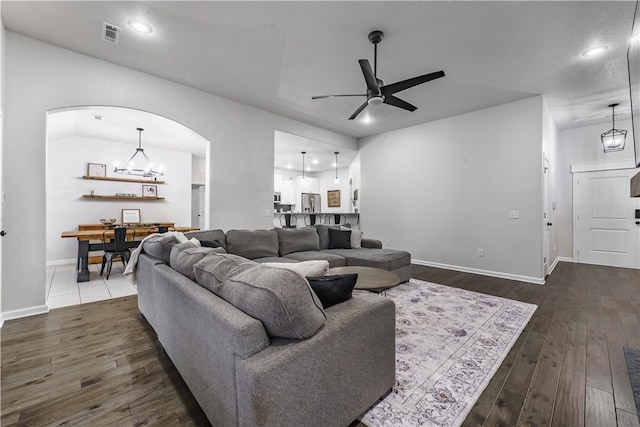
pixel 449 343
pixel 632 356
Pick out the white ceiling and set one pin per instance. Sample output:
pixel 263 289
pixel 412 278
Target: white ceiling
pixel 119 124
pixel 319 156
pixel 276 55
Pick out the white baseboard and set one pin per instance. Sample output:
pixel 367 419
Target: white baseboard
pixel 62 261
pixel 23 312
pixel 528 279
pixel 565 259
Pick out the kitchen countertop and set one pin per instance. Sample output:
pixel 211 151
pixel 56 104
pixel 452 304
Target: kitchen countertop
pixel 318 213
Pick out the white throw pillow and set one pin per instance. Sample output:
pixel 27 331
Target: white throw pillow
pixel 356 237
pixel 304 268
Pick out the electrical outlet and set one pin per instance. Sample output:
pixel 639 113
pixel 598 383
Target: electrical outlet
pixel 514 214
pixel 480 252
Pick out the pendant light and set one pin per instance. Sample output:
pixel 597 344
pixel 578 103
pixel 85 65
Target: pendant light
pixel 614 139
pixel 303 153
pixel 336 153
pixel 147 170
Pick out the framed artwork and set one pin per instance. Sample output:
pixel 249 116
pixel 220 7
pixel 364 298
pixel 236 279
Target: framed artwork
pixel 333 198
pixel 131 216
pixel 149 190
pixel 97 169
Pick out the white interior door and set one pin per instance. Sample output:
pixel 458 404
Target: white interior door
pixel 546 220
pixel 605 229
pixel 201 207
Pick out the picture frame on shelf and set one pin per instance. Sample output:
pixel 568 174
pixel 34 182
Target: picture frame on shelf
pixel 97 170
pixel 149 190
pixel 131 216
pixel 333 198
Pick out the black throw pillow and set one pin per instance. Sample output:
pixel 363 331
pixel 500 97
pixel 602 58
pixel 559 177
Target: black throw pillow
pixel 339 239
pixel 210 244
pixel 332 290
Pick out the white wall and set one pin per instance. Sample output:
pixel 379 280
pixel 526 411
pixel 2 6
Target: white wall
pixel 444 189
pixel 198 170
pixel 2 95
pixel 67 160
pixel 355 176
pixel 41 77
pixel 581 146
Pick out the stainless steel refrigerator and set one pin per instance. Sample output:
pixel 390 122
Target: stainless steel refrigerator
pixel 310 203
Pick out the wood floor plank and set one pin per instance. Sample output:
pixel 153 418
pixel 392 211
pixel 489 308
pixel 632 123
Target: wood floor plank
pixel 600 409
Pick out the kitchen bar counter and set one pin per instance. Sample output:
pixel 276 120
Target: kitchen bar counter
pixel 314 218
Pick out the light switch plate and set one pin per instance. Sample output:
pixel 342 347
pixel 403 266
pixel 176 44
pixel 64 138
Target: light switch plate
pixel 514 214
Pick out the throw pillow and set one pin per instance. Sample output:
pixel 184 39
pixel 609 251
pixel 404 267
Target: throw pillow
pixel 304 268
pixel 356 237
pixel 332 290
pixel 323 234
pixel 159 246
pixel 339 239
pixel 297 240
pixel 211 244
pixel 185 255
pixel 281 299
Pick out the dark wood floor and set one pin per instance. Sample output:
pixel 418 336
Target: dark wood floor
pixel 98 364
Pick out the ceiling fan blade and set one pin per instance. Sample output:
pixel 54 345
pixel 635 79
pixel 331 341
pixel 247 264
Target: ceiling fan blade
pixel 358 111
pixel 406 84
pixel 370 78
pixel 397 102
pixel 335 96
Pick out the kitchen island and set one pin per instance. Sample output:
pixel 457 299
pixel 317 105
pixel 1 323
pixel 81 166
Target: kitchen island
pixel 286 219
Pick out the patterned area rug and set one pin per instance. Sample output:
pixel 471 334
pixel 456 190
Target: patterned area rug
pixel 632 357
pixel 449 343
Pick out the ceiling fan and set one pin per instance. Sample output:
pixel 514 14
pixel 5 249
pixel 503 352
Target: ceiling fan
pixel 379 93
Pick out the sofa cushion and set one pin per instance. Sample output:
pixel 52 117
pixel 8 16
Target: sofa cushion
pixel 279 259
pixel 185 255
pixel 209 235
pixel 332 290
pixel 216 268
pixel 252 243
pixel 339 239
pixel 387 259
pixel 323 234
pixel 281 299
pixel 159 246
pixel 297 240
pixel 304 268
pixel 356 237
pixel 335 260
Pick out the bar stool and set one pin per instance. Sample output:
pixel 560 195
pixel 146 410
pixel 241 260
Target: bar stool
pixel 312 219
pixel 289 221
pixel 337 219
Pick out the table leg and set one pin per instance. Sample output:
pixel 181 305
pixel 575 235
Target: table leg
pixel 83 261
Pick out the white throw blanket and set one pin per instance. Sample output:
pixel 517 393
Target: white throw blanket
pixel 130 271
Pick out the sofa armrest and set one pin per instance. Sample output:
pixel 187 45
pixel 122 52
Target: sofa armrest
pixel 330 378
pixel 371 244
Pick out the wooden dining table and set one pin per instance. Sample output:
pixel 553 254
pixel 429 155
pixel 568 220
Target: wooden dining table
pixel 88 241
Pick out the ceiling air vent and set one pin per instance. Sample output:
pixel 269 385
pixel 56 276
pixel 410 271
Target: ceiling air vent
pixel 110 33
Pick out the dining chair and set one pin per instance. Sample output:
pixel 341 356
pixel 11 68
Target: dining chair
pixel 115 247
pixel 288 221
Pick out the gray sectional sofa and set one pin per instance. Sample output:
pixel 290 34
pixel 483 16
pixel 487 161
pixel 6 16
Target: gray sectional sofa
pixel 310 243
pixel 253 343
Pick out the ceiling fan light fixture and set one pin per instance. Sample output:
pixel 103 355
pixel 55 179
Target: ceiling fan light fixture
pixel 375 100
pixel 614 139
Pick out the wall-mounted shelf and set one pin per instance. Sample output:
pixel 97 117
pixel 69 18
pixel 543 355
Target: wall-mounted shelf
pixel 108 178
pixel 106 197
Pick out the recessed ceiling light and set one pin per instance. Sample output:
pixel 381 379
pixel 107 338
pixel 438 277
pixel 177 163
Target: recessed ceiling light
pixel 594 51
pixel 140 26
pixel 366 120
pixel 635 38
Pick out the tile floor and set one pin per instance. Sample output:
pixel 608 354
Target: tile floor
pixel 63 290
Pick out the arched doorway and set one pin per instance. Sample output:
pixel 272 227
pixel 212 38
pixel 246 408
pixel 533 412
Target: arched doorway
pixel 98 137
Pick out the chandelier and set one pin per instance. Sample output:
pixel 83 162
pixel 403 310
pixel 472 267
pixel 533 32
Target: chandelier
pixel 147 167
pixel 614 139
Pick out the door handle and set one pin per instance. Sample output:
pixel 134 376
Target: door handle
pixel 637 223
pixel 4 233
pixel 549 224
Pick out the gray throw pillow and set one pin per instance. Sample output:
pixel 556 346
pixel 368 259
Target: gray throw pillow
pixel 281 299
pixel 297 240
pixel 252 243
pixel 185 255
pixel 216 268
pixel 159 246
pixel 323 234
pixel 339 239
